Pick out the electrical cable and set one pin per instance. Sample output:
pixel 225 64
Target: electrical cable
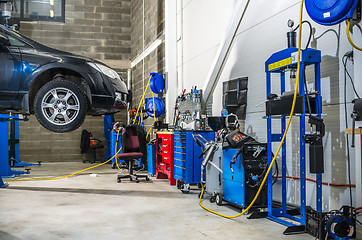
pixel 283 138
pixel 346 57
pixel 310 31
pixel 349 37
pixel 347 140
pixel 306 92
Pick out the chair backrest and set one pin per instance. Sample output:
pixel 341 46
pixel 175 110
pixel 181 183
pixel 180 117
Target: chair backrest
pixel 84 141
pixel 131 140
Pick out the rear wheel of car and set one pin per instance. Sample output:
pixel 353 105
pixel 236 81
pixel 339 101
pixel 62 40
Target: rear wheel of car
pixel 60 105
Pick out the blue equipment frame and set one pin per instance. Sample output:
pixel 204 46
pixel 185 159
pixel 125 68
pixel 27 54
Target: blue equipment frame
pixel 14 144
pixel 5 170
pixel 278 63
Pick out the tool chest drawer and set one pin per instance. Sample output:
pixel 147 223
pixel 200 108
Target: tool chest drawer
pixel 187 163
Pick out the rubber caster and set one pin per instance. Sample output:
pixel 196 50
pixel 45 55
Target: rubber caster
pixel 178 184
pixel 212 199
pixel 218 199
pixel 83 161
pixel 137 181
pixel 185 188
pixel 147 179
pixel 199 185
pixel 113 166
pixel 119 180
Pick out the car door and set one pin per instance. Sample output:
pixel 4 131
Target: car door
pixel 10 68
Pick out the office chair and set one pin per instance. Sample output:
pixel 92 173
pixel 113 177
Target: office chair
pixel 88 142
pixel 131 148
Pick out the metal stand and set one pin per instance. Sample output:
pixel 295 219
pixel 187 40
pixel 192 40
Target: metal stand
pixel 5 170
pixel 14 145
pixel 278 63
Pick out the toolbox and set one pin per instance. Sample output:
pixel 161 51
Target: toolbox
pixel 188 157
pixel 165 156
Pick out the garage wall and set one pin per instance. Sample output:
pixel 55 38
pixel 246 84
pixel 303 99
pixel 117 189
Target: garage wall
pixel 99 29
pixel 263 32
pixel 142 38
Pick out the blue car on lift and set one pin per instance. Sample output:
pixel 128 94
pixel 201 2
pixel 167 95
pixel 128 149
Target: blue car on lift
pixel 60 88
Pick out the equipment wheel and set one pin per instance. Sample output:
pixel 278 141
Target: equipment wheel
pixel 218 199
pixel 185 188
pixel 147 178
pixel 60 105
pixel 212 199
pixel 119 180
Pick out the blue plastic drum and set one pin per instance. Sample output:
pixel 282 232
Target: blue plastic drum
pixel 157 83
pixel 330 12
pixel 160 107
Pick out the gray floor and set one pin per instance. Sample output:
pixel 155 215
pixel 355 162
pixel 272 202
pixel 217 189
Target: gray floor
pixel 97 207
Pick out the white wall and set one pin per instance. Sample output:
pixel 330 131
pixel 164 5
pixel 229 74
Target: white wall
pixel 263 32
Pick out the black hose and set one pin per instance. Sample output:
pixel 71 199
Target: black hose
pixel 347 141
pixel 310 32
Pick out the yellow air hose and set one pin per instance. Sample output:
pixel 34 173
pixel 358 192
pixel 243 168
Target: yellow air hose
pixel 283 138
pixel 349 37
pixel 66 176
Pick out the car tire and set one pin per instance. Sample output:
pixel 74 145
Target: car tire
pixel 60 105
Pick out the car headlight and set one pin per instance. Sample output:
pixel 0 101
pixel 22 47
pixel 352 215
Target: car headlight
pixel 105 70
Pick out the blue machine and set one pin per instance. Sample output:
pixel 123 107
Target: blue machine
pixel 187 158
pixel 278 63
pixel 234 181
pixel 330 12
pixel 242 177
pixel 114 151
pixel 151 159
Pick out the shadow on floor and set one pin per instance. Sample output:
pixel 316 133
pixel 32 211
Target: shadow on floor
pixel 155 194
pixel 7 236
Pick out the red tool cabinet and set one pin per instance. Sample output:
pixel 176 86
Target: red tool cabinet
pixel 165 156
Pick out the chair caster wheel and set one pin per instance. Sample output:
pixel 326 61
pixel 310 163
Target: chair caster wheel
pixel 119 180
pixel 137 181
pixel 147 179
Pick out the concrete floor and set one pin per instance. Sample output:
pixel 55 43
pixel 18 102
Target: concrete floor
pixel 89 207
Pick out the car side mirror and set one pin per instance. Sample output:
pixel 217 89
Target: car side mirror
pixel 4 40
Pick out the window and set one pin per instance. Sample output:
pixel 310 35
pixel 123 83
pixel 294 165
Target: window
pixel 39 10
pixel 235 96
pixel 16 42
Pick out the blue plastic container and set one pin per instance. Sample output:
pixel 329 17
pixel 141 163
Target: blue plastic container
pixel 151 159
